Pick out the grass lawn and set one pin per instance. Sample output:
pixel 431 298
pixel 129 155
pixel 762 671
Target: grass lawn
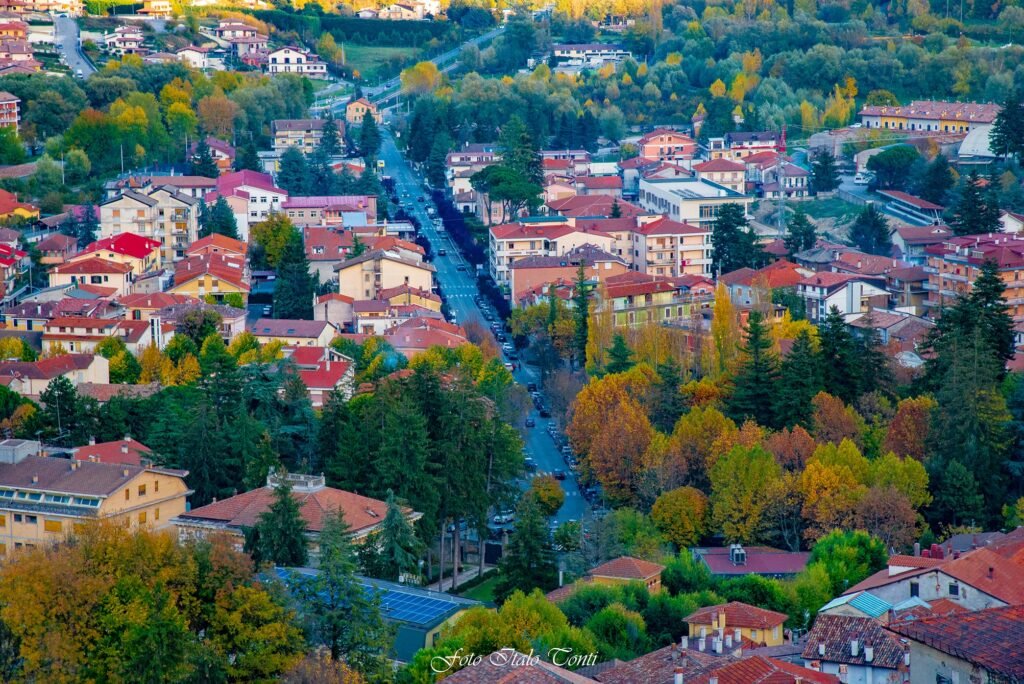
pixel 374 62
pixel 483 591
pixel 831 208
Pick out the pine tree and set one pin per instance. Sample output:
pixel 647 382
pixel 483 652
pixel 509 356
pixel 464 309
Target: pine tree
pixel 358 246
pixel 281 530
pixel 397 548
pixel 247 158
pixel 801 381
pixel 958 498
pixel 735 243
pixel 875 372
pixel 330 142
pixel 221 219
pixel 971 215
pixel 1007 135
pixel 668 403
pixel 438 159
pixel 369 138
pixel 616 210
pixel 202 163
pixel 937 180
pixel 754 386
pixel 870 232
pixel 802 234
pixel 581 313
pixel 620 356
pixel 839 362
pixel 824 174
pixel 993 317
pixel 88 226
pixel 294 288
pixel 528 562
pixel 293 175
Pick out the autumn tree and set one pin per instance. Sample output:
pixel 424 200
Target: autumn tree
pixel 832 487
pixel 681 514
pixel 889 514
pixel 791 448
pixel 548 494
pixel 741 493
pixel 833 421
pixel 908 430
pixel 690 453
pixel 725 334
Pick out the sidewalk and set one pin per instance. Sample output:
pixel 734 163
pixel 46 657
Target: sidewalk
pixel 464 576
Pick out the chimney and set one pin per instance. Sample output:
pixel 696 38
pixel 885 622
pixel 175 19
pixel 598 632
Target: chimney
pixel 991 572
pixel 718 646
pixel 35 478
pixel 854 648
pixel 917 548
pixel 869 653
pixel 701 643
pixel 92 441
pixel 684 642
pixel 124 448
pixel 821 650
pixel 677 678
pixel 703 632
pixel 728 640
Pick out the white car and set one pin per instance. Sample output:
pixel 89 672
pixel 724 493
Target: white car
pixel 863 179
pixel 504 518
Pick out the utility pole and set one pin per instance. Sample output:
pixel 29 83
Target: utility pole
pixel 781 175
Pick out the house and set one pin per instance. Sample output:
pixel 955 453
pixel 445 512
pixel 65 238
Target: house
pixel 417 616
pixel 334 308
pixel 859 650
pixel 929 115
pixel 639 299
pixel 897 330
pixel 34 376
pixel 689 200
pixel 56 249
pixel 9 110
pixel 590 54
pixel 460 165
pixel 32 316
pixel 610 186
pixel 143 306
pixel 331 210
pixel 745 285
pixel 532 272
pixel 849 293
pixel 160 213
pixel 140 254
pixel 860 605
pixel 232 324
pixel 419 334
pixel 743 144
pixel 738 560
pixel 223 154
pixel 725 172
pixel 295 60
pixel 406 295
pixel 94 271
pixel 10 207
pixel 252 196
pixel 294 333
pixel 305 134
pixel 538 237
pixel 192 186
pixel 50 498
pixel 156 8
pixel 400 12
pixel 364 276
pixel 216 275
pixel 233 514
pixel 786 180
pixel 975 580
pixel 216 243
pixel 741 622
pixel 683 663
pixel 125 40
pixel 80 335
pixel 322 372
pixel 195 57
pixel 982 646
pixel 626 569
pixel 663 144
pixel 356 111
pixel 910 243
pixel 125 451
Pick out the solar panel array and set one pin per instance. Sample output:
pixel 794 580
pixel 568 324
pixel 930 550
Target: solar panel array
pixel 420 610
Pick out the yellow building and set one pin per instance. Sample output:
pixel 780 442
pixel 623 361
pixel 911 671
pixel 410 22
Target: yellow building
pixel 929 115
pixel 364 276
pixel 626 569
pixel 356 111
pixel 216 275
pixel 95 271
pixel 293 333
pixel 737 625
pixel 407 295
pixel 44 499
pixel 10 207
pixel 638 299
pixel 141 254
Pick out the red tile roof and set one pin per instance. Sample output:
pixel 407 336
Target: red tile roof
pixel 907 198
pixel 127 244
pixel 719 165
pixel 922 235
pixel 119 451
pixel 230 182
pixel 836 632
pixel 659 667
pixel 48 368
pixel 990 639
pixel 224 267
pixel 155 300
pixel 627 567
pixel 284 327
pixel 93 265
pixel 507 666
pixel 828 279
pixel 216 242
pixel 666 226
pixel 903 561
pixel 593 205
pixel 9 202
pixel 761 670
pixel 58 475
pixel 760 560
pixel 738 614
pixel 600 182
pixel 243 510
pixel 327 376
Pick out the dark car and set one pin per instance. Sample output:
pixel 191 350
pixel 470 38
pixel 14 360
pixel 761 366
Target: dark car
pixel 442 252
pixel 530 422
pixel 544 412
pixel 422 199
pixel 559 474
pixel 531 387
pixel 530 465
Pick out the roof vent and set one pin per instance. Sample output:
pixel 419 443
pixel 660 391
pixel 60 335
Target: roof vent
pixel 869 653
pixel 821 650
pixel 125 472
pixel 854 648
pixel 35 478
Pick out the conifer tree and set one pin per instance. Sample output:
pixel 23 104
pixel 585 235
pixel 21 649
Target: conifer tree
pixel 202 163
pixel 247 158
pixel 397 549
pixel 528 562
pixel 293 175
pixel 971 215
pixel 802 234
pixel 581 313
pixel 754 386
pixel 330 142
pixel 801 381
pixel 870 232
pixel 281 530
pixel 293 291
pixel 620 356
pixel 838 357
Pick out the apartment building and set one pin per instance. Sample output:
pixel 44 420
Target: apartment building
pixel 538 237
pixel 930 115
pixel 724 172
pixel 117 278
pixel 211 275
pixel 43 499
pixel 160 213
pixel 664 144
pixel 9 110
pixel 331 210
pixel 953 265
pixel 689 200
pixel 80 335
pixel 365 276
pixel 305 134
pixel 293 60
pixel 742 144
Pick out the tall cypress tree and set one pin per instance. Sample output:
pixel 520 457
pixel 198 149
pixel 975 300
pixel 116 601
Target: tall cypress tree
pixel 971 215
pixel 293 290
pixel 801 381
pixel 838 357
pixel 801 233
pixel 581 313
pixel 528 562
pixel 281 530
pixel 754 386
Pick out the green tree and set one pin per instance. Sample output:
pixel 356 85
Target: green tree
pixel 802 380
pixel 971 214
pixel 849 557
pixel 437 161
pixel 581 313
pixel 734 241
pixel 293 175
pixel 801 233
pixel 219 219
pixel 396 548
pixel 824 174
pixel 875 372
pixel 294 291
pixel 528 561
pixel 958 498
pixel 280 534
pixel 870 232
pixel 892 166
pixel 271 235
pixel 247 157
pixel 330 141
pixel 1007 135
pixel 936 180
pixel 620 356
pixel 518 151
pixel 202 163
pixel 12 149
pixel 754 385
pixel 369 138
pixel 839 364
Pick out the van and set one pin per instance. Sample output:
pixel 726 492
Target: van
pixel 863 179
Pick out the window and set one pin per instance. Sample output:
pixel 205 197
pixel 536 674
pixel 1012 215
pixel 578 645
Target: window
pixel 31 519
pixel 17 517
pixel 156 485
pixel 156 514
pixel 142 518
pixel 52 525
pixel 142 490
pixel 954 589
pixel 127 494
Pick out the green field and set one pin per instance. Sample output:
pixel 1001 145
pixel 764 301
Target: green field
pixel 831 208
pixel 377 62
pixel 483 591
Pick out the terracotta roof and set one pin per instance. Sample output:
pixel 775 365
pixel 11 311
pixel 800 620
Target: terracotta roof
pixel 899 560
pixel 828 280
pixel 119 451
pixel 627 567
pixel 217 243
pixel 741 276
pixel 104 392
pixel 228 268
pixel 659 667
pixel 719 165
pixel 757 669
pixel 283 327
pixel 57 475
pixel 58 242
pixel 334 296
pixel 47 368
pixel 229 182
pixel 760 560
pixel 93 265
pixel 600 182
pixel 593 205
pixel 155 300
pixel 9 202
pixel 327 375
pixel 935 109
pixel 862 263
pixel 127 244
pixel 507 666
pixel 990 639
pixel 243 510
pixel 738 614
pixel 907 198
pixel 922 235
pixel 837 631
pixel 666 226
pixel 406 289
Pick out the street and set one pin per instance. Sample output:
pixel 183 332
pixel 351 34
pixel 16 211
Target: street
pixel 65 35
pixel 459 286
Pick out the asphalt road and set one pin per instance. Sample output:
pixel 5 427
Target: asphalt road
pixel 459 286
pixel 65 35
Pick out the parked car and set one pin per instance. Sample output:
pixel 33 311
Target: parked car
pixel 531 387
pixel 559 474
pixel 544 412
pixel 530 465
pixel 504 518
pixel 530 422
pixel 442 252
